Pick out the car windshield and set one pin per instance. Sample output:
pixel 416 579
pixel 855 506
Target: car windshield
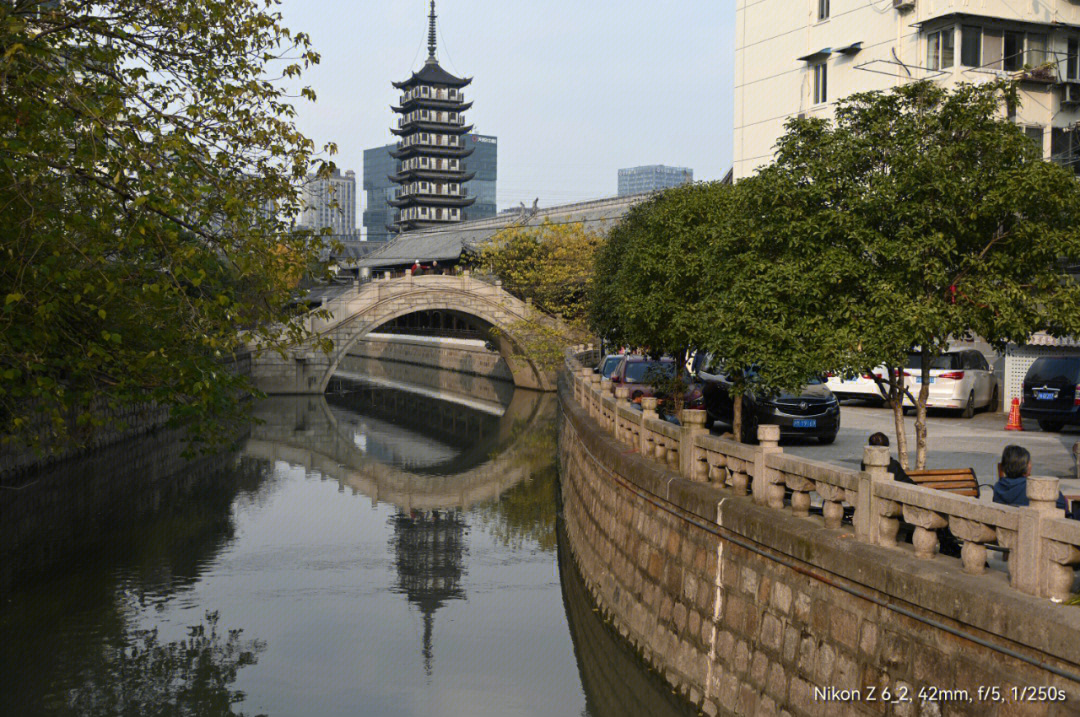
pixel 610 364
pixel 641 371
pixel 1048 368
pixel 945 362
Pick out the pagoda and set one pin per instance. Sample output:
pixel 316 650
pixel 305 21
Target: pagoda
pixel 431 149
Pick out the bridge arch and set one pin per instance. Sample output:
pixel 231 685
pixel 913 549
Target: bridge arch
pixel 358 312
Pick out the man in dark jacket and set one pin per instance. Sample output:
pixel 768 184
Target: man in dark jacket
pixel 1011 488
pixel 899 474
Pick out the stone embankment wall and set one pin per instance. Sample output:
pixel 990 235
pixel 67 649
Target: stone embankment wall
pixel 449 355
pixel 17 462
pixel 710 559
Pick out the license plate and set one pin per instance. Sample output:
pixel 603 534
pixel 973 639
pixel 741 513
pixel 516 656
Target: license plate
pixel 805 423
pixel 918 379
pixel 1044 395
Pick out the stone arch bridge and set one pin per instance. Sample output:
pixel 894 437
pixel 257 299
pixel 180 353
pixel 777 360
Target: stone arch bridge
pixel 306 369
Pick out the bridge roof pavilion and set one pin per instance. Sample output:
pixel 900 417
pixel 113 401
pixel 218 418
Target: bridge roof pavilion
pixel 447 243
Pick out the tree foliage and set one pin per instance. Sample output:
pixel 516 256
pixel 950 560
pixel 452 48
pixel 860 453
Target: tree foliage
pixel 148 165
pixel 934 218
pixel 550 266
pixel 914 217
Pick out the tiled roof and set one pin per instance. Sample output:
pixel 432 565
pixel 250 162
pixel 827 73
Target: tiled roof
pixel 447 243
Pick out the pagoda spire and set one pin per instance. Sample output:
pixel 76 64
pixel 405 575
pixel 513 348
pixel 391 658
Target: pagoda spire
pixel 431 32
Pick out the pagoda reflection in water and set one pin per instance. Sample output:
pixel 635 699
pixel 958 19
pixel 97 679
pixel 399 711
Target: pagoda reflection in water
pixel 429 555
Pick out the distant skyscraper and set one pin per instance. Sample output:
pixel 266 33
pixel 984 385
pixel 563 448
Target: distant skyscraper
pixel 651 178
pixel 379 166
pixel 330 203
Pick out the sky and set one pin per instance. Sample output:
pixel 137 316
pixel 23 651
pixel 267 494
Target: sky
pixel 573 89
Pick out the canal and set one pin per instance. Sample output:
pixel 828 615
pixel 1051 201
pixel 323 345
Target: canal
pixel 392 548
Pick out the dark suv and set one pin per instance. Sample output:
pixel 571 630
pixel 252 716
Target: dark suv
pixel 812 413
pixel 1051 393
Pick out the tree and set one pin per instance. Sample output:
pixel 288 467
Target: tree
pixel 932 217
pixel 148 169
pixel 700 267
pixel 548 265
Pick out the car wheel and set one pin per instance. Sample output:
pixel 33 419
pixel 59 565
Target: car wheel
pixel 1050 426
pixel 969 407
pixel 907 410
pixel 826 440
pixel 993 405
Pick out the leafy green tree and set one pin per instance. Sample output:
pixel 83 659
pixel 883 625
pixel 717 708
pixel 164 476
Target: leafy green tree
pixel 700 267
pixel 148 167
pixel 184 677
pixel 928 216
pixel 548 265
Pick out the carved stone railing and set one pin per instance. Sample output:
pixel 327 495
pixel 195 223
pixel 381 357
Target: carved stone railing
pixel 1043 547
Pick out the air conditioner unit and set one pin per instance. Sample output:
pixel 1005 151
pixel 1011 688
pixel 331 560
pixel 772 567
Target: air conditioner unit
pixel 1072 93
pixel 903 4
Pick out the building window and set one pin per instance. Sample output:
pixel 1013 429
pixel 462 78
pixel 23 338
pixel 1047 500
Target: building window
pixel 1071 58
pixel 1013 58
pixel 971 46
pixel 821 83
pixel 1035 54
pixel 939 49
pixel 823 9
pixel 1035 134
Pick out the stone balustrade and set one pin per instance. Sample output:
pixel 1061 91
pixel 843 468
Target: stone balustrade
pixel 1043 547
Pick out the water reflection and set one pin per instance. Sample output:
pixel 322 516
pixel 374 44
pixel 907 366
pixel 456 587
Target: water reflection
pixel 386 552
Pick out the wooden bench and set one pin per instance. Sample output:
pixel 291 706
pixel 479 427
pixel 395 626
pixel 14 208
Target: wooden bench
pixel 953 480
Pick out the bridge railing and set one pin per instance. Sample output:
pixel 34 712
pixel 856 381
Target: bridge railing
pixel 1042 546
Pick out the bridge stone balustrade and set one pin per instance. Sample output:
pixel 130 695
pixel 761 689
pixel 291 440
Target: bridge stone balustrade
pixel 304 431
pixel 736 573
pixel 306 369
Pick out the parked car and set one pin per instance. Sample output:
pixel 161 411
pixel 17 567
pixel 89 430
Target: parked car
pixel 813 412
pixel 607 365
pixel 1051 394
pixel 960 379
pixel 641 373
pixel 863 386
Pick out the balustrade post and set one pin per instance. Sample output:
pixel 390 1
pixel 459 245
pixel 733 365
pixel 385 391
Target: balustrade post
pixel 875 518
pixel 582 384
pixel 693 425
pixel 594 396
pixel 1042 494
pixel 766 481
pixel 648 410
pixel 622 398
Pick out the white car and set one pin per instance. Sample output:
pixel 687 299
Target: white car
pixel 862 387
pixel 960 379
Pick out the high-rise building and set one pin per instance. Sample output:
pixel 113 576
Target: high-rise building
pixel 330 202
pixel 652 178
pixel 790 63
pixel 432 149
pixel 380 166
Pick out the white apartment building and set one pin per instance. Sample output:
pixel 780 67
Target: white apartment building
pixel 797 57
pixel 330 202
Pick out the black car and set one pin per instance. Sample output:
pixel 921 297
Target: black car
pixel 1051 394
pixel 812 413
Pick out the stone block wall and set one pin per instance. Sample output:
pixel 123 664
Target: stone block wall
pixel 750 610
pixel 447 355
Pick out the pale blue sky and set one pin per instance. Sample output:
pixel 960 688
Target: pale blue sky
pixel 574 89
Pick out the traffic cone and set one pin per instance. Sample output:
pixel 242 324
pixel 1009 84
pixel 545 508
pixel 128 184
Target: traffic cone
pixel 1014 423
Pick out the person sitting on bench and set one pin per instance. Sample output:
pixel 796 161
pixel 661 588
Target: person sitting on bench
pixel 899 474
pixel 1011 488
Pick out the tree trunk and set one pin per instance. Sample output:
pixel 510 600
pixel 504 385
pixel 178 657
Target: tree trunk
pixel 736 417
pixel 896 400
pixel 920 412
